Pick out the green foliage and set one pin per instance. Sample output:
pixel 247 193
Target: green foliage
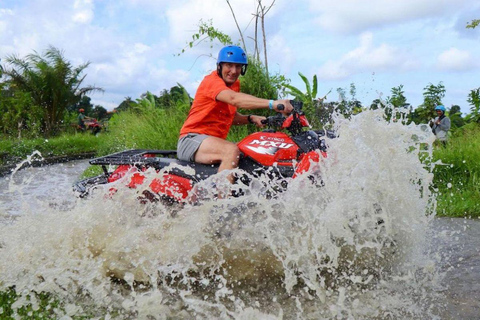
pixel 145 126
pixel 432 96
pixel 398 97
pixel 348 107
pixel 66 145
pixel 458 178
pixel 177 94
pixel 474 101
pixel 52 83
pixel 455 115
pixel 99 112
pixel 473 24
pixel 18 115
pixel 310 94
pixel 206 31
pixel 257 82
pixel 376 104
pixel 313 107
pixel 125 105
pixel 44 307
pixel 397 101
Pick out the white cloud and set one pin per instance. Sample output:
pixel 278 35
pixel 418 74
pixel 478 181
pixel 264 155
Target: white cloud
pixel 366 58
pixel 184 18
pixel 83 11
pixel 357 16
pixel 278 50
pixel 454 59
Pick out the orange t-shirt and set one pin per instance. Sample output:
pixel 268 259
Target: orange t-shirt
pixel 207 115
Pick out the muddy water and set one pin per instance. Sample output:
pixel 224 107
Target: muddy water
pixel 457 241
pixel 354 248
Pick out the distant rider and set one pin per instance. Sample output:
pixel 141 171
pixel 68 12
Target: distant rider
pixel 441 125
pixel 81 119
pixel 214 110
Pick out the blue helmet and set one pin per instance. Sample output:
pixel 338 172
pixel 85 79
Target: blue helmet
pixel 232 54
pixel 440 107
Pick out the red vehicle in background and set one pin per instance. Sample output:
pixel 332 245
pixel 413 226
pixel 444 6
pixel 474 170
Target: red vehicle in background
pixel 93 126
pixel 271 152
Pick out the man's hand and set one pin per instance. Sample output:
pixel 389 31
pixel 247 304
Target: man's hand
pixel 288 108
pixel 257 120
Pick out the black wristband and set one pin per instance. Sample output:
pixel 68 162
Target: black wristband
pixel 249 118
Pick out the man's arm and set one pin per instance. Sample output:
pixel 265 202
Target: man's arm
pixel 246 101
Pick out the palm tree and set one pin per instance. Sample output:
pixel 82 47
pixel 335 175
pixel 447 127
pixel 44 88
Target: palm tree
pixel 52 82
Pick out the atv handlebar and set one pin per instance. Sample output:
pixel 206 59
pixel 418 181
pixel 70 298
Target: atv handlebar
pixel 274 121
pixel 278 119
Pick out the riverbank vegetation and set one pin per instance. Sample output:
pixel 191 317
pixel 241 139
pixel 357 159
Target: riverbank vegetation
pixel 457 175
pixel 13 151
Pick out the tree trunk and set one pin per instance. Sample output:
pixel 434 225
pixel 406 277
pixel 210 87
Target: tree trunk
pixel 238 27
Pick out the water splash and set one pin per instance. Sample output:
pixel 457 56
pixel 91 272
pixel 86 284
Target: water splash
pixel 352 246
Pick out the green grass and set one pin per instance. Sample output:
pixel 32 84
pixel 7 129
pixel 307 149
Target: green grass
pixel 43 308
pixel 151 128
pixel 458 177
pixel 15 150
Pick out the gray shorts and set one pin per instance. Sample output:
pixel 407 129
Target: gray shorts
pixel 188 145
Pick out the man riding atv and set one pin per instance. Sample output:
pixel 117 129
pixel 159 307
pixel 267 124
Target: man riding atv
pixel 88 123
pixel 214 110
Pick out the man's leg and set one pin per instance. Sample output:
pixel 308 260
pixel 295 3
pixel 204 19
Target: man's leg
pixel 217 150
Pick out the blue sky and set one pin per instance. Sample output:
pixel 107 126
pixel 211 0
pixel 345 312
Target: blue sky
pixel 133 45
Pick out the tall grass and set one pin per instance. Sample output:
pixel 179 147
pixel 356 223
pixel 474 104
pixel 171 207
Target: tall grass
pixel 144 128
pixel 457 178
pixel 66 145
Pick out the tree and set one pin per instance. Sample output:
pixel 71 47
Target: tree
pixel 52 83
pixel 474 101
pixel 85 103
pixel 125 104
pixel 455 115
pixel 17 113
pixel 377 103
pixel 398 98
pixel 396 101
pixel 177 94
pixel 432 96
pixel 348 107
pixel 99 112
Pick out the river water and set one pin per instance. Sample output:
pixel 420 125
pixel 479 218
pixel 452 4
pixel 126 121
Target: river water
pixel 364 245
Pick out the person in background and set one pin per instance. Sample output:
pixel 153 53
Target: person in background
pixel 214 110
pixel 81 119
pixel 440 125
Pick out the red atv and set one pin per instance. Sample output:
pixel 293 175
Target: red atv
pixel 93 125
pixel 273 153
